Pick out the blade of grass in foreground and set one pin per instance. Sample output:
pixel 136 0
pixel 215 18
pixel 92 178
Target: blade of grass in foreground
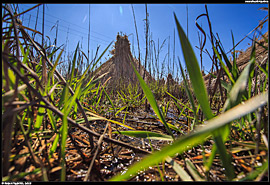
pixel 73 64
pixel 96 62
pixel 149 95
pixel 239 87
pixel 201 94
pixel 200 134
pixel 189 93
pixel 194 72
pixel 40 116
pixel 64 133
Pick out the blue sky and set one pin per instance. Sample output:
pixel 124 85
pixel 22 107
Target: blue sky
pixel 106 20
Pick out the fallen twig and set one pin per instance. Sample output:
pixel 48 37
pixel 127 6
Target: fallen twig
pixel 96 152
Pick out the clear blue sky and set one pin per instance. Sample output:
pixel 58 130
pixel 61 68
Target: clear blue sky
pixel 108 19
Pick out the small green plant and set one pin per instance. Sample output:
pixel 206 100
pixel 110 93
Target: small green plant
pixel 131 99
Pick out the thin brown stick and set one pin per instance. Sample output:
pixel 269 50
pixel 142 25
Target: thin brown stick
pixel 137 39
pixel 27 10
pixel 16 110
pixel 146 39
pixel 96 152
pixel 260 24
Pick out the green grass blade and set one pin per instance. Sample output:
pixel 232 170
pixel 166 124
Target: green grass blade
pixel 113 121
pixel 64 131
pixel 90 81
pixel 121 124
pixel 234 71
pixel 73 100
pixel 124 119
pixel 200 90
pixel 179 170
pixel 82 120
pixel 149 95
pixel 239 87
pixel 265 71
pixel 52 120
pixel 251 70
pixel 56 61
pixel 175 128
pixel 21 175
pixel 199 135
pixel 62 97
pixel 54 145
pixel 40 116
pixel 228 63
pixel 177 100
pixel 145 134
pixel 67 108
pixel 193 171
pixel 54 51
pixel 51 74
pixel 100 95
pixel 108 97
pixel 122 98
pixel 209 162
pixel 188 93
pixel 224 67
pixel 122 108
pixel 25 55
pixel 224 84
pixel 100 56
pixel 73 64
pixel 225 158
pixel 194 72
